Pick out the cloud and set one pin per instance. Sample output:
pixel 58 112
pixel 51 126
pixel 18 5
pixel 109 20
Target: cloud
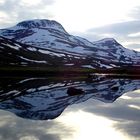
pixel 135 13
pixel 15 11
pixel 121 31
pixel 135 46
pixel 116 29
pixel 126 33
pixel 2 2
pixel 123 28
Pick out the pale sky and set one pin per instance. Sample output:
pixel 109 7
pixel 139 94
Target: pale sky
pixel 92 19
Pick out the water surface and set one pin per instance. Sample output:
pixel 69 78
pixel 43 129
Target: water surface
pixel 41 108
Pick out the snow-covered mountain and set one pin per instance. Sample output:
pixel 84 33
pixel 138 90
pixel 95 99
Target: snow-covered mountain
pixel 16 54
pixel 42 98
pixel 51 35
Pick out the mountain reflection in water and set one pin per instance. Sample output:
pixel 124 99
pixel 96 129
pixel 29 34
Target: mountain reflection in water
pixel 46 98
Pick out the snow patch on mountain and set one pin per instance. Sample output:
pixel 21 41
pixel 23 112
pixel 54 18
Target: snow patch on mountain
pixel 36 61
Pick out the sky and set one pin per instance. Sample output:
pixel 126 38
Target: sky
pixel 91 19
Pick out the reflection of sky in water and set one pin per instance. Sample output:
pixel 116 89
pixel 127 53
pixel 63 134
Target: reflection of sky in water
pixel 88 120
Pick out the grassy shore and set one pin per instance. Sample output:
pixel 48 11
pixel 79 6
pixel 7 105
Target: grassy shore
pixel 62 71
pixel 43 71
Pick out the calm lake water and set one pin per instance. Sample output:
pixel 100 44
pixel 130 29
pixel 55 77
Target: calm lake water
pixel 42 108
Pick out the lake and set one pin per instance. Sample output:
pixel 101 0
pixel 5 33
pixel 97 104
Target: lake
pixel 70 108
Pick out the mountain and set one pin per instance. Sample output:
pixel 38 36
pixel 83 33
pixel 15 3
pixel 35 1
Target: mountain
pixel 49 37
pixel 43 98
pixel 13 53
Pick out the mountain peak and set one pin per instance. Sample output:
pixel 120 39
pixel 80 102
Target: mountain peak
pixel 41 23
pixel 109 42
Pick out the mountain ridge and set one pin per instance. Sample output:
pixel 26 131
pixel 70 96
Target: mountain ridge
pixel 105 53
pixel 43 23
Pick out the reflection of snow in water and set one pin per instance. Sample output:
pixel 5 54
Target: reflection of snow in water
pixel 43 99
